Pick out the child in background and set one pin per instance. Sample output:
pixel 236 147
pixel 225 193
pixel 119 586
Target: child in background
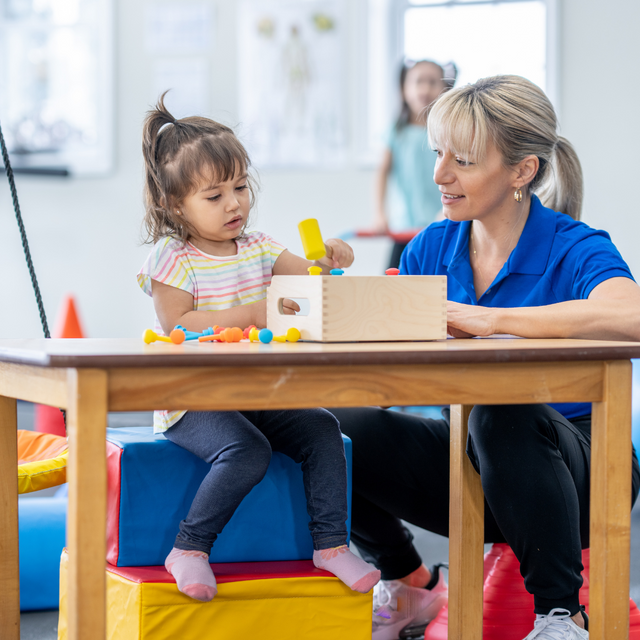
pixel 205 269
pixel 406 196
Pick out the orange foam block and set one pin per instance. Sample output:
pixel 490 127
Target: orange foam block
pixel 266 600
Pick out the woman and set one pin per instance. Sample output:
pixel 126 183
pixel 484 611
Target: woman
pixel 514 266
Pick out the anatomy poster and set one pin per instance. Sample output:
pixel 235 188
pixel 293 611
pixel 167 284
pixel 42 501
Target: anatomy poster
pixel 292 97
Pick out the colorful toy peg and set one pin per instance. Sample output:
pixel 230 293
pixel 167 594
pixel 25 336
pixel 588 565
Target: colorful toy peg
pixel 265 336
pixel 392 272
pixel 177 336
pixel 246 332
pixel 312 244
pixel 254 334
pixel 336 272
pixel 192 335
pixel 150 336
pixel 292 335
pixel 314 271
pixel 232 334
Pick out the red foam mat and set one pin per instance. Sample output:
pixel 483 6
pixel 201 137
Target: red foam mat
pixel 229 572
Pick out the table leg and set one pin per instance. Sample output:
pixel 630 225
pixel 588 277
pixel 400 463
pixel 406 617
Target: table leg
pixel 9 565
pixel 86 519
pixel 466 535
pixel 610 528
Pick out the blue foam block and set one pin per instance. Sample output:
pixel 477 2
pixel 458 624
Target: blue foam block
pixel 42 525
pixel 158 481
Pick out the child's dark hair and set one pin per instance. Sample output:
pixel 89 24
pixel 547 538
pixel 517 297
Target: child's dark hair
pixel 449 73
pixel 179 155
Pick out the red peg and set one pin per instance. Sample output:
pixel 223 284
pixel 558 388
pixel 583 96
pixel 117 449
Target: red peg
pixel 392 272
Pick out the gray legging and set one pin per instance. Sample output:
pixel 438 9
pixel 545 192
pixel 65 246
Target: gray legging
pixel 534 466
pixel 238 447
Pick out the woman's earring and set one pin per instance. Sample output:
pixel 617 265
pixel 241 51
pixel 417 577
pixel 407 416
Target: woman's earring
pixel 517 195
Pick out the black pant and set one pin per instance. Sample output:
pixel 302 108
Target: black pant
pixel 396 254
pixel 534 466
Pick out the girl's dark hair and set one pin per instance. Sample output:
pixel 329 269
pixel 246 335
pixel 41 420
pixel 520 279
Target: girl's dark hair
pixel 449 73
pixel 179 156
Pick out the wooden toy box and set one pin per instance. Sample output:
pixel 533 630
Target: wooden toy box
pixel 361 308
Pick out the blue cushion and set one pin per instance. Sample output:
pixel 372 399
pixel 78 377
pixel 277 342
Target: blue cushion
pixel 42 526
pixel 158 481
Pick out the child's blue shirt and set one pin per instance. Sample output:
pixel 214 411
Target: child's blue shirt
pixel 556 259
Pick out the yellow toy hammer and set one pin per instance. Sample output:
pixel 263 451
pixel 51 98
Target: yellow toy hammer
pixel 312 244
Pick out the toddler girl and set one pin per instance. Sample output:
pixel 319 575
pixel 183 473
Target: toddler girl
pixel 204 270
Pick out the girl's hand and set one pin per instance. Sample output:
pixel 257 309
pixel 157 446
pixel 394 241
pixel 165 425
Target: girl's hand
pixel 466 320
pixel 289 307
pixel 339 254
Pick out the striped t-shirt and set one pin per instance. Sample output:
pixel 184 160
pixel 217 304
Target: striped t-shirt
pixel 215 282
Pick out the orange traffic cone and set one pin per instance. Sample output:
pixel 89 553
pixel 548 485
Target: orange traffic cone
pixel 49 419
pixel 508 607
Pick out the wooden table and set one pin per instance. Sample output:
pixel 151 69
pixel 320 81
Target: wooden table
pixel 91 377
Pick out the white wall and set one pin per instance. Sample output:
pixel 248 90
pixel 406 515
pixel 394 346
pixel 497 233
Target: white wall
pixel 85 233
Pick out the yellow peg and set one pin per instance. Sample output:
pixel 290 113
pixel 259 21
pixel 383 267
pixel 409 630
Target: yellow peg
pixel 150 336
pixel 314 271
pixel 253 334
pixel 292 335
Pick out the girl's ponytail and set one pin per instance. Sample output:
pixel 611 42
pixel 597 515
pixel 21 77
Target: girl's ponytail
pixel 562 187
pixel 155 198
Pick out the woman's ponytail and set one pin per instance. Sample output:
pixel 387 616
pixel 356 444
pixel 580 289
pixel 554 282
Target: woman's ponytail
pixel 562 186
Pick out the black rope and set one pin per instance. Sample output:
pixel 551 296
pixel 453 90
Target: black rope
pixel 25 245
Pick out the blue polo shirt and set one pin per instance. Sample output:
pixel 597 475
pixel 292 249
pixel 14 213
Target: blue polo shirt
pixel 556 259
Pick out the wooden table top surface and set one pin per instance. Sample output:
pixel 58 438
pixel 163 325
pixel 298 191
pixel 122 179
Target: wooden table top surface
pixel 133 352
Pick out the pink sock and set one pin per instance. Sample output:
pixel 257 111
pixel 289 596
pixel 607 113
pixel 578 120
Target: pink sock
pixel 192 572
pixel 354 572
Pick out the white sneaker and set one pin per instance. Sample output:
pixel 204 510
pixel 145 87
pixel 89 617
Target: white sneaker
pixel 398 607
pixel 558 625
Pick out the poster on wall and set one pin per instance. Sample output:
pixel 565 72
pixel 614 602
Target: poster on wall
pixel 291 82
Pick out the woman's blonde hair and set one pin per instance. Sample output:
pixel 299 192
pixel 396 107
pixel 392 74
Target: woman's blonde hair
pixel 179 155
pixel 516 116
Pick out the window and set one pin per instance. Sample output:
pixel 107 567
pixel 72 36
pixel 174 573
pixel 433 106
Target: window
pixel 56 85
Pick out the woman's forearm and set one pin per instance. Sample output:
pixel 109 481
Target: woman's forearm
pixel 588 319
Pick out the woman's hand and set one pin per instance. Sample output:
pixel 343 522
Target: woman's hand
pixel 467 321
pixel 339 254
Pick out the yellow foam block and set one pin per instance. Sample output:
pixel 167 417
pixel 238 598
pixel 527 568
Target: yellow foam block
pixel 314 607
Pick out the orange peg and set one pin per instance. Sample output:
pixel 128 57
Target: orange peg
pixel 233 334
pixel 177 336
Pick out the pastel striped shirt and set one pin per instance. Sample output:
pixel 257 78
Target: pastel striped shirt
pixel 215 282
